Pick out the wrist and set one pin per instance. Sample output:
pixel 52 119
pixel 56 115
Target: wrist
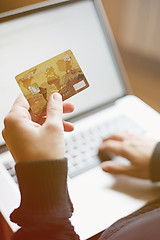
pixel 44 182
pixel 41 153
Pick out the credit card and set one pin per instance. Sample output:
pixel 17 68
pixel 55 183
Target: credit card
pixel 61 74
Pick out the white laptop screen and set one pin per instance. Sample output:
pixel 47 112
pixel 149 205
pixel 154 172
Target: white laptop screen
pixel 29 40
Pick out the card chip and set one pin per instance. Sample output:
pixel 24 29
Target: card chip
pixel 79 85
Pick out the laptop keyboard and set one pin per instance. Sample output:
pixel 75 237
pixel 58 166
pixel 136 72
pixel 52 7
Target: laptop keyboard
pixel 11 170
pixel 82 148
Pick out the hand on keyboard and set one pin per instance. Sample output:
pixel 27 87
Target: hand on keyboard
pixel 136 148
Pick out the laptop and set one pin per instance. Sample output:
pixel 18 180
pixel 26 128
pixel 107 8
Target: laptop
pixel 36 33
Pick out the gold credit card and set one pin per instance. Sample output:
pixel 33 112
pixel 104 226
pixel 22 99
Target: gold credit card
pixel 61 73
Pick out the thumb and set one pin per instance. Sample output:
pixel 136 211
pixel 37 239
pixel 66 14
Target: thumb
pixel 54 108
pixel 116 168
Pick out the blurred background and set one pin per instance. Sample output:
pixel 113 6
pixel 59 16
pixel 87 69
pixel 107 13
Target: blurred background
pixel 135 25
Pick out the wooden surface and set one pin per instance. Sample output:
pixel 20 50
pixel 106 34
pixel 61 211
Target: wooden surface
pixel 5 231
pixel 8 5
pixel 136 25
pixel 144 78
pixel 143 71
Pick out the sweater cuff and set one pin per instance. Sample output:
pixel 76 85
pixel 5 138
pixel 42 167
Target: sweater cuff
pixel 155 164
pixel 43 187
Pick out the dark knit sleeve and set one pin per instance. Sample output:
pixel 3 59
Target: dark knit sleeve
pixel 155 164
pixel 45 206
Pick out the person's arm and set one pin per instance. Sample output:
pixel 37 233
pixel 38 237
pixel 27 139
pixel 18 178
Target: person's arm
pixel 45 206
pixel 38 149
pixel 155 164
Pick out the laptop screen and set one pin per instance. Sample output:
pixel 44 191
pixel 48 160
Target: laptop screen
pixel 31 39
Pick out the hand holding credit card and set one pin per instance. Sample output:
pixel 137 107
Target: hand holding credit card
pixel 60 74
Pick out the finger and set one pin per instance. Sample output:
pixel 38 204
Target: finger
pixel 115 147
pixel 20 102
pixel 19 111
pixel 121 136
pixel 4 134
pixel 116 168
pixel 20 108
pixel 117 137
pixel 68 127
pixel 54 109
pixel 68 107
pixel 38 119
pixel 103 156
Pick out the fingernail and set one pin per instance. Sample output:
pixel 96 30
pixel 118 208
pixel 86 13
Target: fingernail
pixel 57 96
pixel 104 166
